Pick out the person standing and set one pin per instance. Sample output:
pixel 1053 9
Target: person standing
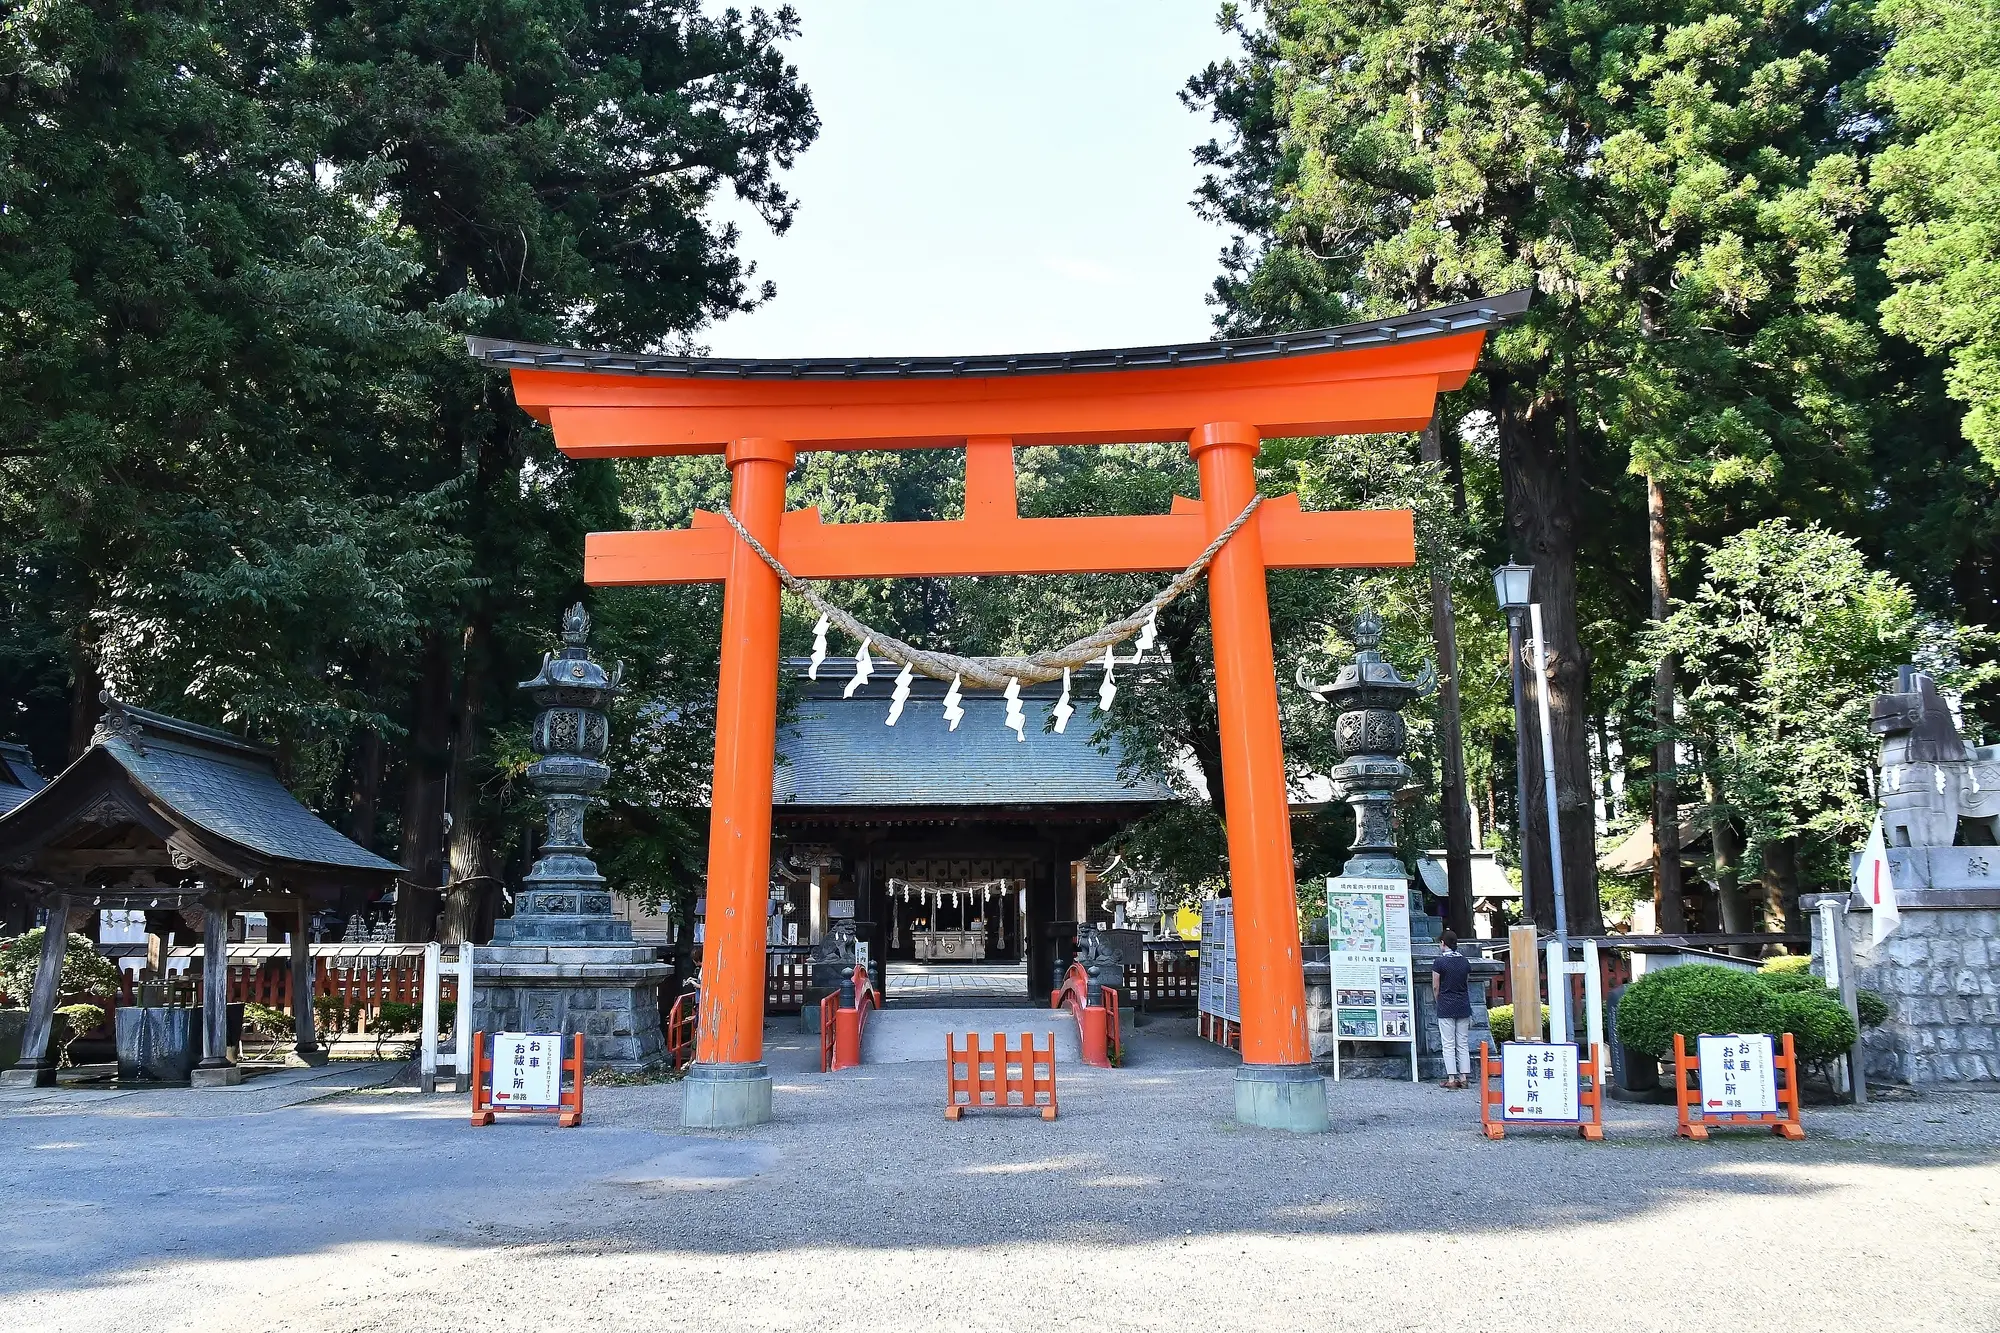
pixel 1449 971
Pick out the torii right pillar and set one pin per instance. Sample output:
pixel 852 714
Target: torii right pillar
pixel 1276 1085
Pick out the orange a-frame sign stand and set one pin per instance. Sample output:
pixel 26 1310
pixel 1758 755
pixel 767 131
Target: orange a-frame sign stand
pixel 1222 398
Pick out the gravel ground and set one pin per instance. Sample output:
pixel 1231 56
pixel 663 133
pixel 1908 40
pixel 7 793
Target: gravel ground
pixel 1142 1207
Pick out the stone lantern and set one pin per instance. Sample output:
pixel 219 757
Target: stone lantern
pixel 565 962
pixel 1370 736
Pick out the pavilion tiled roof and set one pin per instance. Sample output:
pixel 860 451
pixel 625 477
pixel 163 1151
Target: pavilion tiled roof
pixel 211 781
pixel 1465 317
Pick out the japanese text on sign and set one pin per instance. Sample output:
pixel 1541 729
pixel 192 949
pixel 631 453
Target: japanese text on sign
pixel 527 1069
pixel 1738 1074
pixel 1368 935
pixel 1538 1081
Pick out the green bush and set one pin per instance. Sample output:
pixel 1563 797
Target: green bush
pixel 1785 965
pixel 272 1024
pixel 1874 1010
pixel 73 1020
pixel 393 1019
pixel 1692 999
pixel 330 1015
pixel 1818 1022
pixel 86 973
pixel 1501 1019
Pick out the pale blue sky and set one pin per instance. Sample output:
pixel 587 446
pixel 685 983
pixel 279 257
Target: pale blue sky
pixel 990 178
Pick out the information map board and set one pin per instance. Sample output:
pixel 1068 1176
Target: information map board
pixel 1368 942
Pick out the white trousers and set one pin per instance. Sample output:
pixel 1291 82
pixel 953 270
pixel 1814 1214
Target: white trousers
pixel 1454 1034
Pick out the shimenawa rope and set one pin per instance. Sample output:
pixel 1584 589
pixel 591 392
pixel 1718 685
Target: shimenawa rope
pixel 993 673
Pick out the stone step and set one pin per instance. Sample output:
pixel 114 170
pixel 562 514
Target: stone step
pixel 908 1036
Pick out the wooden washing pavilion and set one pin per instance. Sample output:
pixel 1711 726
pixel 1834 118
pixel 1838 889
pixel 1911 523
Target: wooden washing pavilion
pixel 166 817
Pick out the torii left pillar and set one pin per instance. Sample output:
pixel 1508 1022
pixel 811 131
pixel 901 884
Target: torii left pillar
pixel 730 1085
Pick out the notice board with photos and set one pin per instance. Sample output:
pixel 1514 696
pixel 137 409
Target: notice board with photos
pixel 1368 946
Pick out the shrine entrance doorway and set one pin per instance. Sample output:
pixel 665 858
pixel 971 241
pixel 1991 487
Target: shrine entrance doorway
pixel 1222 398
pixel 950 857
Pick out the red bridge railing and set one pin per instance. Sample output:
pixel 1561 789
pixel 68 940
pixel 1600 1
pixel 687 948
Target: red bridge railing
pixel 1096 1024
pixel 842 1048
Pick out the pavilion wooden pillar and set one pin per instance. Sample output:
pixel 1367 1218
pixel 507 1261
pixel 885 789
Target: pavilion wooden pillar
pixel 306 1049
pixel 37 1068
pixel 216 1069
pixel 729 1084
pixel 1276 1086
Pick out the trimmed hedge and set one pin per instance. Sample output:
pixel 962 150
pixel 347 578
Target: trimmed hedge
pixel 1692 999
pixel 1785 964
pixel 1698 998
pixel 1501 1019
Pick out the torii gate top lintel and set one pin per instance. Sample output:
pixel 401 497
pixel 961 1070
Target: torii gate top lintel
pixel 1221 398
pixel 1382 374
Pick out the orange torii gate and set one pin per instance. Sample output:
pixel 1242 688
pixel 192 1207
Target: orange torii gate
pixel 1223 398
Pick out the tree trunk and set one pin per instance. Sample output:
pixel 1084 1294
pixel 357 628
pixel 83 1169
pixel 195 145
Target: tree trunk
pixel 468 848
pixel 1540 506
pixel 1453 808
pixel 1781 886
pixel 423 794
pixel 1727 840
pixel 1667 896
pixel 1200 728
pixel 85 690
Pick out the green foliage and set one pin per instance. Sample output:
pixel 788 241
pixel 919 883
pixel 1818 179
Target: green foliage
pixel 274 1025
pixel 1501 1019
pixel 1781 648
pixel 1692 999
pixel 73 1020
pixel 394 1019
pixel 330 1015
pixel 85 971
pixel 1785 963
pixel 1939 183
pixel 1874 1010
pixel 1820 1027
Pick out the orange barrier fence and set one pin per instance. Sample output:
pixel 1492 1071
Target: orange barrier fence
pixel 849 1024
pixel 1096 1024
pixel 999 1076
pixel 569 1108
pixel 1589 1098
pixel 680 1028
pixel 1696 1113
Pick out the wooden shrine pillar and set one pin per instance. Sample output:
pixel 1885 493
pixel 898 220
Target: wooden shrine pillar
pixel 306 1049
pixel 216 1069
pixel 37 1067
pixel 728 1084
pixel 1276 1085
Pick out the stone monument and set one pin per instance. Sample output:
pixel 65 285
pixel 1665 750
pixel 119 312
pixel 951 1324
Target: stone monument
pixel 564 962
pixel 1370 735
pixel 1939 971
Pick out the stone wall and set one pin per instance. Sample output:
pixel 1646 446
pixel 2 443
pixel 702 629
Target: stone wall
pixel 611 995
pixel 1939 972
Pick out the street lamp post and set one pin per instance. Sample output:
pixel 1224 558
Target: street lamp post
pixel 1512 587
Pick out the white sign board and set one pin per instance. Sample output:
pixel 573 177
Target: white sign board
pixel 1738 1074
pixel 527 1069
pixel 1538 1081
pixel 1368 943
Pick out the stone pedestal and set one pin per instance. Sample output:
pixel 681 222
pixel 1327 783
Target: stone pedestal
pixel 1939 972
pixel 609 993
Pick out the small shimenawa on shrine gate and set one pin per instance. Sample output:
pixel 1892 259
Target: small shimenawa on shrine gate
pixel 1223 397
